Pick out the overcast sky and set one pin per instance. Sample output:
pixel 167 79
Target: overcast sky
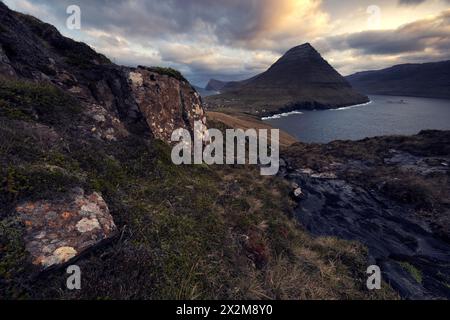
pixel 236 39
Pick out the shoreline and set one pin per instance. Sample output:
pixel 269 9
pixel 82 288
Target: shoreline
pixel 300 111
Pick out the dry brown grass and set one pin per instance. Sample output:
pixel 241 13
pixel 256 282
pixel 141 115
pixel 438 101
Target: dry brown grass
pixel 279 259
pixel 244 121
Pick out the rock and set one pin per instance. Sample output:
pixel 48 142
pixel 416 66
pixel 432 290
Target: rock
pixel 298 193
pixel 324 175
pixel 167 103
pixel 59 230
pixel 421 165
pixel 150 102
pixel 306 171
pixel 391 232
pixel 317 175
pixel 99 118
pixel 5 65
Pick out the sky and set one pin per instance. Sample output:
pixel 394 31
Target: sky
pixel 237 39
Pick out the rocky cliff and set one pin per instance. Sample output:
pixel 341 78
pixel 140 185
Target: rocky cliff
pixel 300 79
pixel 118 99
pixel 64 93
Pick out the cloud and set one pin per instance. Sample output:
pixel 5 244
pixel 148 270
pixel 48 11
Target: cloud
pixel 415 2
pixel 202 36
pixel 411 2
pixel 417 36
pixel 254 24
pixel 235 39
pixel 426 39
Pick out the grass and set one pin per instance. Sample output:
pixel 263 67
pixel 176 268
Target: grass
pixel 413 271
pixel 186 232
pixel 168 72
pixel 24 100
pixel 190 232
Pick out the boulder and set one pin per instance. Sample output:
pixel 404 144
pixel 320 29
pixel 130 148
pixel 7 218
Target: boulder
pixel 167 103
pixel 57 231
pixel 298 193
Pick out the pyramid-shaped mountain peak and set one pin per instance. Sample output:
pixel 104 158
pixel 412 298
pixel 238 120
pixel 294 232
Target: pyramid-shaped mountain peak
pixel 300 79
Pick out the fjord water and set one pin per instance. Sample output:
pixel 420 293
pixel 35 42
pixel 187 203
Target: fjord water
pixel 384 115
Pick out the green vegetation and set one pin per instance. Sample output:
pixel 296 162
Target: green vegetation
pixel 79 60
pixel 14 260
pixel 23 100
pixel 185 232
pixel 168 72
pixel 413 271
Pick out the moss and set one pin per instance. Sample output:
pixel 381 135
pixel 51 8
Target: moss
pixel 15 143
pixel 412 270
pixel 38 182
pixel 168 72
pixel 13 113
pixel 27 100
pixel 13 259
pixel 79 61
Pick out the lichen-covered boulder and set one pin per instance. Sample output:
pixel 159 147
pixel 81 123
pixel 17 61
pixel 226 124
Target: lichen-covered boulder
pixel 59 230
pixel 167 103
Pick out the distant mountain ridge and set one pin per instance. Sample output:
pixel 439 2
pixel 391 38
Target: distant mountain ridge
pixel 215 85
pixel 300 79
pixel 431 80
pixel 204 92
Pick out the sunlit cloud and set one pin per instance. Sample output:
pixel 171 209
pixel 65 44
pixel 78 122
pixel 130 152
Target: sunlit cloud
pixel 236 39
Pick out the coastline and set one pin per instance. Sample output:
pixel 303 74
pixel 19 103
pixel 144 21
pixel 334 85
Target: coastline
pixel 300 111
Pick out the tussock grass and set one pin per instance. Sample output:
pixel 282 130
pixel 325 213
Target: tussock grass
pixel 186 232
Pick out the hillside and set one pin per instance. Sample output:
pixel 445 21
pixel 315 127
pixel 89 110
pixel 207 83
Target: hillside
pixel 215 85
pixel 300 79
pixel 86 178
pixel 429 80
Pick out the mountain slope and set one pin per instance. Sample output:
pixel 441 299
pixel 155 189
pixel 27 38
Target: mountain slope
pixel 36 51
pixel 300 79
pixel 215 85
pixel 204 92
pixel 430 80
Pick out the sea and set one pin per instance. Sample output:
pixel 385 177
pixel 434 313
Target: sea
pixel 383 115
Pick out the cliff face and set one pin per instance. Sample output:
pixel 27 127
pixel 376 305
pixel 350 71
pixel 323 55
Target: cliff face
pixel 166 103
pixel 150 102
pixel 300 79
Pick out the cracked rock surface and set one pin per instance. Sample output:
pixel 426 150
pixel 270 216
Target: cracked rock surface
pixel 58 231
